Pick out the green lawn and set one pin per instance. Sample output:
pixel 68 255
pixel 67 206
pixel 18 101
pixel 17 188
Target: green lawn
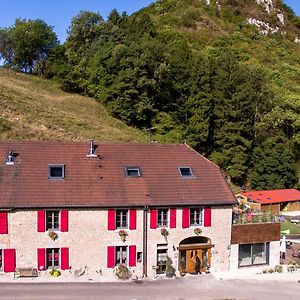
pixel 294 229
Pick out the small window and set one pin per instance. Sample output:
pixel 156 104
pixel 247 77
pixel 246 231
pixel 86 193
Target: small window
pixel 56 171
pixel 162 257
pixel 133 172
pixel 185 171
pixel 52 258
pixel 1 259
pixel 196 216
pixel 162 217
pixel 121 218
pixel 121 255
pixel 52 220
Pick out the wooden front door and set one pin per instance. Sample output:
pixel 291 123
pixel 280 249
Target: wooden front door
pixel 189 256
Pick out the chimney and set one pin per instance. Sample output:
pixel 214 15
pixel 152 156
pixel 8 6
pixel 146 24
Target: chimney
pixel 92 150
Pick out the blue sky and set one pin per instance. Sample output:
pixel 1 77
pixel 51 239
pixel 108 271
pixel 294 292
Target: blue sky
pixel 58 13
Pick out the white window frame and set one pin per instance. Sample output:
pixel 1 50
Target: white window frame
pixel 122 211
pixel 121 248
pixel 201 215
pixel 53 218
pixel 53 253
pixel 160 213
pixel 139 173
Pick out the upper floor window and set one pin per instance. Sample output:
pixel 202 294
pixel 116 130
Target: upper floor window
pixel 133 172
pixel 196 216
pixel 185 171
pixel 121 255
pixel 56 172
pixel 52 220
pixel 121 218
pixel 162 217
pixel 52 258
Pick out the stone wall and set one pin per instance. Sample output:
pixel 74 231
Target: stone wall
pixel 88 238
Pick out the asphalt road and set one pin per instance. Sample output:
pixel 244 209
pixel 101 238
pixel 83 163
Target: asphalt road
pixel 197 287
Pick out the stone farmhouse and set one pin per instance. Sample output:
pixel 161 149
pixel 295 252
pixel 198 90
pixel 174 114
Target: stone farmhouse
pixel 75 205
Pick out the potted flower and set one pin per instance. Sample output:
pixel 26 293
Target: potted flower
pixel 164 232
pixel 53 235
pixel 197 231
pixel 123 235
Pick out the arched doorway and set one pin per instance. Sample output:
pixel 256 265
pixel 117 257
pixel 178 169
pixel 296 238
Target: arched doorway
pixel 195 250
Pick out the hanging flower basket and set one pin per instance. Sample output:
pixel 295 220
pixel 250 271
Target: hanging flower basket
pixel 164 232
pixel 197 231
pixel 123 235
pixel 53 235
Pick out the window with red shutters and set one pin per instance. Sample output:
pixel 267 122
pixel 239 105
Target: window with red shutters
pixel 132 219
pixel 64 253
pixel 132 256
pixel 185 218
pixel 41 221
pixel 41 256
pixel 207 216
pixel 9 260
pixel 153 218
pixel 3 223
pixel 64 221
pixel 173 218
pixel 110 256
pixel 111 219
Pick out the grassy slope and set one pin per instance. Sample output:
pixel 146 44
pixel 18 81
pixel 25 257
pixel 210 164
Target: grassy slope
pixel 33 108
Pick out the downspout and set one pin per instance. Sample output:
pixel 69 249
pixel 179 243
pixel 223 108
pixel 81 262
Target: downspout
pixel 145 226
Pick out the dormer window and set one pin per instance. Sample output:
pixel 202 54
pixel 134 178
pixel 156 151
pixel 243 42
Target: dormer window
pixel 133 172
pixel 185 171
pixel 56 172
pixel 10 160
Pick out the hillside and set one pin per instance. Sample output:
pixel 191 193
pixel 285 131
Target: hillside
pixel 34 108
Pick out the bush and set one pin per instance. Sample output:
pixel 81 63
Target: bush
pixel 55 273
pixel 122 272
pixel 271 271
pixel 278 269
pixel 170 270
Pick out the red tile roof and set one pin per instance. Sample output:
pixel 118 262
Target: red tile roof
pixel 273 196
pixel 101 181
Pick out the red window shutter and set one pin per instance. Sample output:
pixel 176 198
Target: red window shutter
pixel 9 260
pixel 185 218
pixel 64 258
pixel 3 223
pixel 153 218
pixel 111 222
pixel 41 224
pixel 173 218
pixel 41 256
pixel 132 256
pixel 110 256
pixel 132 219
pixel 207 216
pixel 64 221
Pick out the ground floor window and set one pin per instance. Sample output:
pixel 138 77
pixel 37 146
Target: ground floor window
pixel 52 255
pixel 1 259
pixel 162 257
pixel 253 254
pixel 121 255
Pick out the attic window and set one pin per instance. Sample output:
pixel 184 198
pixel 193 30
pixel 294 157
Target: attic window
pixel 133 172
pixel 185 171
pixel 10 160
pixel 56 172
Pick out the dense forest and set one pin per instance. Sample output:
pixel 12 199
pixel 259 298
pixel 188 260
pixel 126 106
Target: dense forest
pixel 188 72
